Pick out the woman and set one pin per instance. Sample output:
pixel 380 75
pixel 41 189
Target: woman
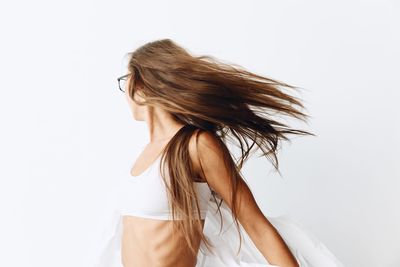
pixel 184 191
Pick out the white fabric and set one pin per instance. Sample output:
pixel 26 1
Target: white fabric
pixel 307 249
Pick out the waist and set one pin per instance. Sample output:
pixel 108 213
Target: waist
pixel 141 244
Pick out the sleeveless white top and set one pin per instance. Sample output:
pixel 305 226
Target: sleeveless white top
pixel 145 195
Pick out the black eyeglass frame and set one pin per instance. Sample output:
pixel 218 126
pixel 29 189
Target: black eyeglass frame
pixel 122 78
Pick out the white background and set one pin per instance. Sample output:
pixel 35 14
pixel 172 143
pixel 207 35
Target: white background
pixel 67 134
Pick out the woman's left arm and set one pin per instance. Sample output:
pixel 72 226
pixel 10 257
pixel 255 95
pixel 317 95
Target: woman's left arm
pixel 260 230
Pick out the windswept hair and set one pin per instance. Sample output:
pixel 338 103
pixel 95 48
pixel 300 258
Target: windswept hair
pixel 225 100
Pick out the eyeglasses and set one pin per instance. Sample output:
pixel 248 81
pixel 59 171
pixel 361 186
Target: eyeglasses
pixel 122 82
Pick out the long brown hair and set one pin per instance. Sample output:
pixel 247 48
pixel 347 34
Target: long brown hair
pixel 206 94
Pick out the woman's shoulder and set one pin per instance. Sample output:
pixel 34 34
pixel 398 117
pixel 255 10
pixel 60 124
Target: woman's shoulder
pixel 201 144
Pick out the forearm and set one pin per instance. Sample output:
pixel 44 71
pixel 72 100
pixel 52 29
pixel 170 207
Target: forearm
pixel 271 245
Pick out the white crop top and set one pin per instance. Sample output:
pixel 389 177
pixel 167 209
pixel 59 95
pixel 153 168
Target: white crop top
pixel 145 195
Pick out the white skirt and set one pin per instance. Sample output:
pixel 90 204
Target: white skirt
pixel 306 248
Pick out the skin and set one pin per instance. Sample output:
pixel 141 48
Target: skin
pixel 148 242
